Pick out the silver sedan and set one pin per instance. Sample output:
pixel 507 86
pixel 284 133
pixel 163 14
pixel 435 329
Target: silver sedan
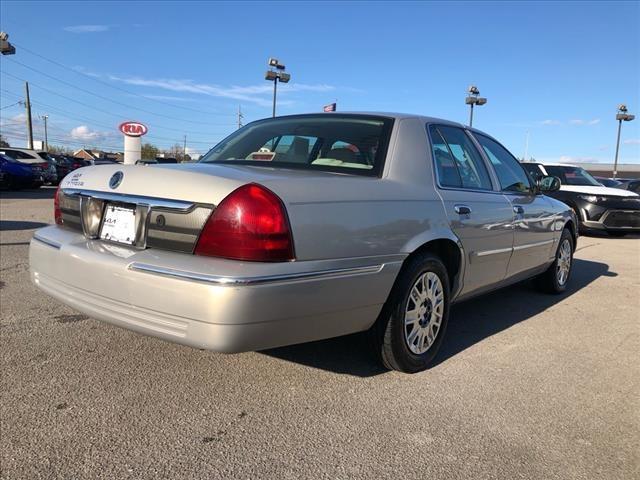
pixel 306 227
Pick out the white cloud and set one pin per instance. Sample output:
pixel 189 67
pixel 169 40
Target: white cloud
pixel 579 121
pixel 570 159
pixel 85 134
pixel 550 122
pixel 258 94
pixel 632 141
pixel 168 97
pixel 87 28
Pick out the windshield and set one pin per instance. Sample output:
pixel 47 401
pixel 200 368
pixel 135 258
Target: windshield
pixel 572 175
pixel 332 142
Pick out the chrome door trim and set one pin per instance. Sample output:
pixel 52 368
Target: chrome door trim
pixel 484 253
pixel 240 281
pixel 46 241
pixel 531 245
pixel 151 202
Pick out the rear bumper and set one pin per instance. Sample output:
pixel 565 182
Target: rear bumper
pixel 209 303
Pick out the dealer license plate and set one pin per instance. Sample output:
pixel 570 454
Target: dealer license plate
pixel 119 225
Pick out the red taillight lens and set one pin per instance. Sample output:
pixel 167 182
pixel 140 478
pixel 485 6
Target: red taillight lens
pixel 249 224
pixel 57 214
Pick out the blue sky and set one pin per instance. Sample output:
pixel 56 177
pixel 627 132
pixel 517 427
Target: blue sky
pixel 555 70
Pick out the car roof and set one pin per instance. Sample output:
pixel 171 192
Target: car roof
pixel 27 150
pixel 396 116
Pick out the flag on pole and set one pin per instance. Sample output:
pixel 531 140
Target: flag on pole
pixel 329 108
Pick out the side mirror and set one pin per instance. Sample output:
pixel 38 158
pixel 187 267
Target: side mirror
pixel 549 184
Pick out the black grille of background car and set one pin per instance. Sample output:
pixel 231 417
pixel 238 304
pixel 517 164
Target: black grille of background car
pixel 622 219
pixel 166 229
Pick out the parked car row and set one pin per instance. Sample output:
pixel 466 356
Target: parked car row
pixel 598 207
pixel 45 168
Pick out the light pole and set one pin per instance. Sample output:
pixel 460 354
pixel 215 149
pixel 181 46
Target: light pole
pixel 621 116
pixel 5 46
pixel 275 75
pixel 473 99
pixel 46 136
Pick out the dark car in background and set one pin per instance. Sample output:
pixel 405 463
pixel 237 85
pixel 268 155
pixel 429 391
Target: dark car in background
pixel 631 184
pixel 28 156
pixel 598 208
pixel 609 182
pixel 16 175
pixel 66 163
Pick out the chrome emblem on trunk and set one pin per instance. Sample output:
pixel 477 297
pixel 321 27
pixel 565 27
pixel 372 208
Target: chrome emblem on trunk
pixel 116 180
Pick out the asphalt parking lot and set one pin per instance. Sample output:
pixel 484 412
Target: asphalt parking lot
pixel 527 386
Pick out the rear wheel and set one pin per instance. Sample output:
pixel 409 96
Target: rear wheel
pixel 412 324
pixel 556 277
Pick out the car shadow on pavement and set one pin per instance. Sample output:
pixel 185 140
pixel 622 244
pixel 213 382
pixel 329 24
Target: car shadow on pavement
pixel 8 225
pixel 470 322
pixel 42 193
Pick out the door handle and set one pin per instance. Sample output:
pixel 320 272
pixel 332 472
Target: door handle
pixel 462 209
pixel 518 209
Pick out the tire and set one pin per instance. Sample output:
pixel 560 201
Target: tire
pixel 617 234
pixel 402 347
pixel 552 281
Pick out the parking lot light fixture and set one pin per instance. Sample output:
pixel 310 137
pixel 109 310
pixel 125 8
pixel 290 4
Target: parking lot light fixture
pixel 275 74
pixel 621 116
pixel 472 99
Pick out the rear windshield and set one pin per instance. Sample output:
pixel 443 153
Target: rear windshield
pixel 331 142
pixel 572 175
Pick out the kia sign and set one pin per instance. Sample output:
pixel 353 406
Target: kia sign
pixel 132 132
pixel 133 129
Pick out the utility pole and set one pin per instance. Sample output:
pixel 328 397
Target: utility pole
pixel 46 136
pixel 240 117
pixel 29 125
pixel 526 147
pixel 184 149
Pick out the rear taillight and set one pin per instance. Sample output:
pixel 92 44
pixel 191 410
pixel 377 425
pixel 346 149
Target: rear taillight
pixel 249 224
pixel 57 214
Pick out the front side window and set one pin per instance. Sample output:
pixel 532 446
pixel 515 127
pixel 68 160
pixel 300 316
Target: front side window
pixel 457 161
pixel 510 173
pixel 341 143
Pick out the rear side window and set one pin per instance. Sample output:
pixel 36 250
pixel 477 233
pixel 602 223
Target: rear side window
pixel 510 173
pixel 458 162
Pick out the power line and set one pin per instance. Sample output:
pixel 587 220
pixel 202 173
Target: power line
pixel 107 98
pixel 116 87
pixel 12 105
pixel 85 119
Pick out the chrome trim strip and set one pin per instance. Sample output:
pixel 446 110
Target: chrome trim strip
pixel 240 281
pixel 484 253
pixel 531 245
pixel 47 242
pixel 136 199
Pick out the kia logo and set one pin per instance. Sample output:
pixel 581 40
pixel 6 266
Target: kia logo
pixel 116 180
pixel 133 129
